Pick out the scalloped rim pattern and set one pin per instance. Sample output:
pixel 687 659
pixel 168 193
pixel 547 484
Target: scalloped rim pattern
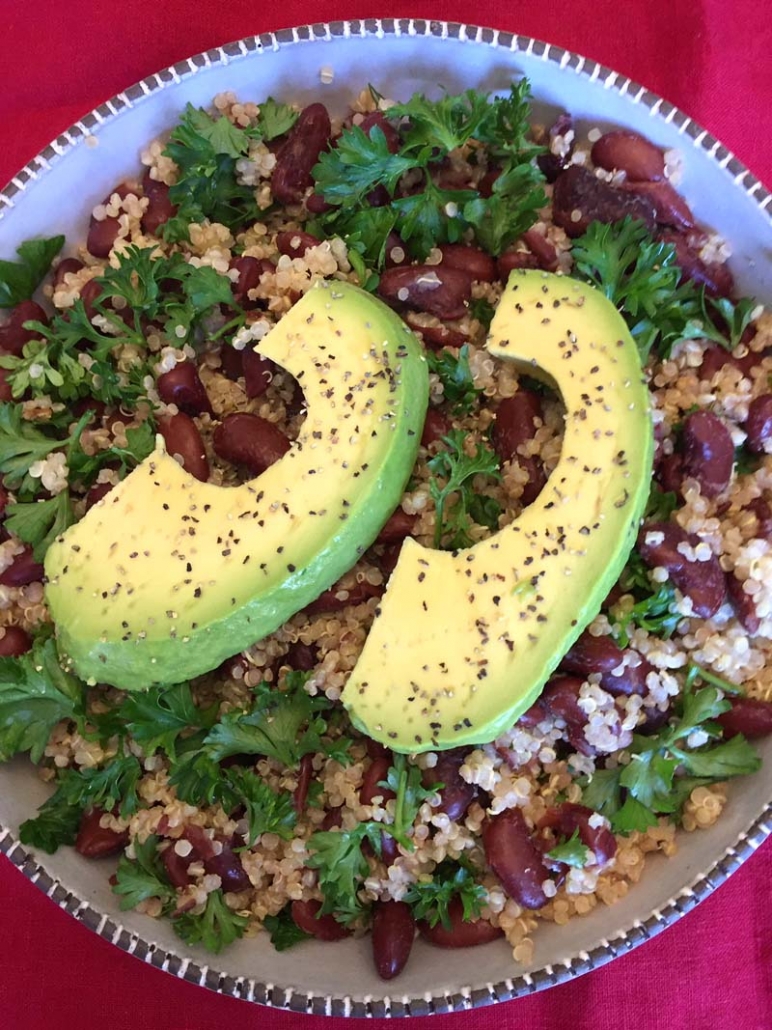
pixel 466 998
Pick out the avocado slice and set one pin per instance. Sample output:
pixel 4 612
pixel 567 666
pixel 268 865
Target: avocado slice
pixel 166 576
pixel 465 641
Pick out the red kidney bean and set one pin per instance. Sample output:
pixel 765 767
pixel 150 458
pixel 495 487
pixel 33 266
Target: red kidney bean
pixel 456 795
pixel 295 243
pixel 715 277
pixel 328 600
pixel 375 749
pixel 177 867
pixel 743 604
pixel 160 208
pixel 758 425
pixel 377 119
pixel 324 927
pixel 601 655
pixel 103 234
pixel 561 697
pixel 250 269
pixel 552 164
pixel 300 656
pixel 227 865
pixel 714 358
pixel 258 373
pixel 307 138
pixel 182 437
pixel 480 266
pixel 388 558
pixel 200 840
pixel 4 498
pixel 708 452
pixel 376 771
pixel 435 337
pixel 461 934
pixel 439 291
pixel 515 259
pixel 396 251
pixel 436 425
pixel 182 386
pixel 598 839
pixel 66 265
pixel 670 207
pixel 249 440
pixel 89 295
pixel 97 493
pixel 393 932
pixel 763 514
pixel 232 362
pixel 94 841
pixel 578 192
pixel 515 425
pixel 305 773
pixel 397 527
pixel 701 581
pixel 13 335
pixel 333 819
pixel 6 392
pixel 512 855
pixel 543 250
pixel 532 716
pixel 670 473
pixel 749 716
pixel 14 641
pixel 316 204
pixel 631 153
pixel 22 570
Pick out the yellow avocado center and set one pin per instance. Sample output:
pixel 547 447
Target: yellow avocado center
pixel 464 642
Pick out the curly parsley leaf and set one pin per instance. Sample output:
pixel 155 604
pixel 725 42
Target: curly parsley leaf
pixel 456 377
pixel 56 823
pixel 571 852
pixel 20 279
pixel 143 877
pixel 341 865
pixel 285 932
pixel 276 119
pixel 39 523
pixel 431 898
pixel 140 442
pixel 267 810
pixel 156 717
pixel 214 928
pixel 654 603
pixel 453 471
pixel 35 694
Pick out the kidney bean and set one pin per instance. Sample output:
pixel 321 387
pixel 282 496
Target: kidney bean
pixel 598 839
pixel 258 373
pixel 480 266
pixel 295 243
pixel 580 197
pixel 89 295
pixel 231 362
pixel 763 514
pixel 456 795
pixel 333 819
pixel 4 498
pixel 654 719
pixel 758 425
pixel 329 601
pixel 103 233
pixel 461 934
pixel 591 654
pixel 631 153
pixel 749 716
pixel 435 337
pixel 397 527
pixel 439 291
pixel 324 927
pixel 250 269
pixel 513 856
pixel 377 770
pixel 552 164
pixel 670 207
pixel 182 437
pixel 708 452
pixel 249 440
pixel 94 841
pixel 22 570
pixel 743 604
pixel 670 473
pixel 14 641
pixel 160 208
pixel 316 204
pixel 227 865
pixel 393 932
pixel 307 138
pixel 715 277
pixel 376 119
pixel 182 386
pixel 395 251
pixel 13 335
pixel 305 773
pixel 561 697
pixel 516 422
pixel 532 716
pixel 515 259
pixel 6 392
pixel 177 867
pixel 66 265
pixel 541 247
pixel 301 657
pixel 97 493
pixel 436 425
pixel 701 581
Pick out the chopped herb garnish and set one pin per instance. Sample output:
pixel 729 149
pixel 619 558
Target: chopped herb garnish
pixel 20 279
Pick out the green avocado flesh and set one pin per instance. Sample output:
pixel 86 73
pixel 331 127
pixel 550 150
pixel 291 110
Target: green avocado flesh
pixel 167 576
pixel 465 641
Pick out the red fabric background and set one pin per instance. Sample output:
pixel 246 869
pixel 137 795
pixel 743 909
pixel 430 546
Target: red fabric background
pixel 711 58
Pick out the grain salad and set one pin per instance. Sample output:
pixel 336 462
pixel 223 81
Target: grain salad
pixel 244 801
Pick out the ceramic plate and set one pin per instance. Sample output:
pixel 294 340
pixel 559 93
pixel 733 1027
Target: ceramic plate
pixel 399 57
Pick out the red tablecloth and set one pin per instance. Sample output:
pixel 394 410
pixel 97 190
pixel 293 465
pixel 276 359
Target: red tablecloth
pixel 711 58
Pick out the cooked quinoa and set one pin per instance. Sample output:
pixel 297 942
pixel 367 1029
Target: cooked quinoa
pixel 545 766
